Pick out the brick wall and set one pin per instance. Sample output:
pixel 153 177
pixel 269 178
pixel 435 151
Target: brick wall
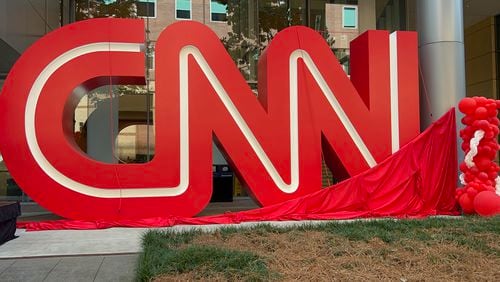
pixel 200 12
pixel 333 22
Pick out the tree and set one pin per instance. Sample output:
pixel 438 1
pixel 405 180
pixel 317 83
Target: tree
pixel 88 9
pixel 250 36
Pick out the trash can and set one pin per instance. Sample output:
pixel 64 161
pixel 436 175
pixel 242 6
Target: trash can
pixel 222 184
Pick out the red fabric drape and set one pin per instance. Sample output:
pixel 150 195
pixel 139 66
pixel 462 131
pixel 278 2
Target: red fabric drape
pixel 417 181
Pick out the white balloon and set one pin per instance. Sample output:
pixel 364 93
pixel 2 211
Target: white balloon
pixel 474 142
pixel 462 178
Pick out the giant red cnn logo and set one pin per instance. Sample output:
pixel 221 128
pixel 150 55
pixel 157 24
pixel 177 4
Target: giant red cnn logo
pixel 306 105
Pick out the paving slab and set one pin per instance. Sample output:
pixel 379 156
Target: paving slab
pixel 31 269
pixel 4 264
pixel 80 268
pixel 73 242
pixel 76 269
pixel 117 268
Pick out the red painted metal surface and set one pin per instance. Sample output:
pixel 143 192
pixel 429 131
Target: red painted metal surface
pixel 306 105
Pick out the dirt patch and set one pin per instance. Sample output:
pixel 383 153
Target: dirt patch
pixel 190 276
pixel 320 256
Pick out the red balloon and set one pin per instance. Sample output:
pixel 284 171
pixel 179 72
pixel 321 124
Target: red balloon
pixel 462 133
pixel 465 147
pixel 481 100
pixel 471 192
pixel 469 130
pixel 494 121
pixel 480 124
pixel 489 134
pixel 491 154
pixel 492 112
pixel 491 105
pixel 492 143
pixel 466 203
pixel 463 167
pixel 483 176
pixel 474 170
pixel 484 124
pixel 494 149
pixel 482 162
pixel 474 184
pixel 487 152
pixel 498 103
pixel 468 177
pixel 467 120
pixel 487 203
pixel 482 187
pixel 467 106
pixel 483 150
pixel 494 167
pixel 481 113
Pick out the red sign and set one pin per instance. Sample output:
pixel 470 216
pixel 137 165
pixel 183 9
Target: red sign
pixel 306 105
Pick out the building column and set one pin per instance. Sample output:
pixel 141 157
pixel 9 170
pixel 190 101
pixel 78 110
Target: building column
pixel 442 60
pixel 367 15
pixel 102 130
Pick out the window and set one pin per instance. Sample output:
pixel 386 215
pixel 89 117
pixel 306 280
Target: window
pixel 183 9
pixel 146 8
pixel 350 17
pixel 122 9
pixel 218 11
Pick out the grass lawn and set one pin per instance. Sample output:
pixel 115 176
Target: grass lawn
pixel 465 249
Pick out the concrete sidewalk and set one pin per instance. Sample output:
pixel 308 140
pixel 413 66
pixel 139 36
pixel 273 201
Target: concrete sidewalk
pixel 80 268
pixel 71 255
pixel 73 243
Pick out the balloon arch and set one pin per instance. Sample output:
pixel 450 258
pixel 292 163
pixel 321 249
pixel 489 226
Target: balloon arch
pixel 481 191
